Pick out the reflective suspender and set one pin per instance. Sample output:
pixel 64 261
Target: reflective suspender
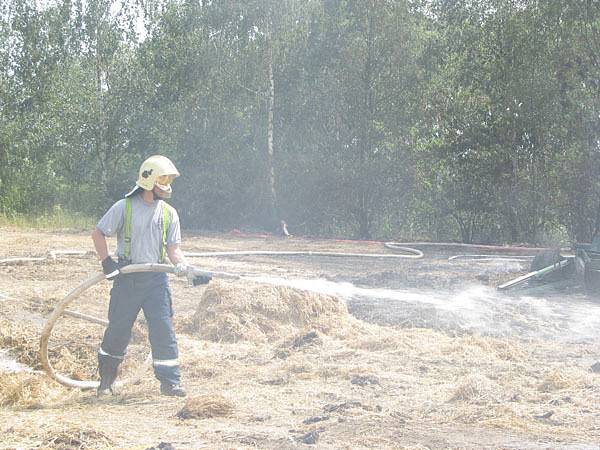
pixel 164 233
pixel 127 229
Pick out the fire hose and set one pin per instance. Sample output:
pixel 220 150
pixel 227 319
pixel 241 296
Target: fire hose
pixel 410 253
pixel 61 308
pixel 53 255
pixel 508 258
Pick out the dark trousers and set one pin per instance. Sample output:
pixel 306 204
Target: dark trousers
pixel 149 292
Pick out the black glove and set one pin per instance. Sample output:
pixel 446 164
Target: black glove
pixel 110 268
pixel 201 279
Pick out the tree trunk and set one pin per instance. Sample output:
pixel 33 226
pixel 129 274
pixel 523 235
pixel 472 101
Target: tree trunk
pixel 273 213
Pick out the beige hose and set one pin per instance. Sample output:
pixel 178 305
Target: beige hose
pixel 47 331
pixel 411 253
pixel 491 257
pixel 17 261
pixel 53 255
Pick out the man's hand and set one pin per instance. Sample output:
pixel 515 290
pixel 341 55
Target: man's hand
pixel 182 269
pixel 110 268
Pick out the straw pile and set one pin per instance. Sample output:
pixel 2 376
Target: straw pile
pixel 205 406
pixel 231 312
pixel 27 390
pixel 477 388
pixel 72 356
pixel 79 364
pixel 23 339
pixel 77 439
pixel 558 380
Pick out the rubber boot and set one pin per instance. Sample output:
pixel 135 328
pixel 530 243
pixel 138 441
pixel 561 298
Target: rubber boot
pixel 172 390
pixel 108 369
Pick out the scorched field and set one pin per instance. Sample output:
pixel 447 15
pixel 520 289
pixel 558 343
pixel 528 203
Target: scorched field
pixel 305 352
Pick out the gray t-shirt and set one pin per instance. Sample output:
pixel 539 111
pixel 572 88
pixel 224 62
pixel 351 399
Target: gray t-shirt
pixel 146 228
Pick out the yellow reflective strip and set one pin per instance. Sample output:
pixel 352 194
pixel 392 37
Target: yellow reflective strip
pixel 127 237
pixel 165 228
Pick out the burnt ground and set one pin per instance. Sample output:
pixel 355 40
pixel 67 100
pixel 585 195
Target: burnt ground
pixel 431 356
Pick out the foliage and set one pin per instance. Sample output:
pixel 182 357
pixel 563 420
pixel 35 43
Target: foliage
pixel 410 119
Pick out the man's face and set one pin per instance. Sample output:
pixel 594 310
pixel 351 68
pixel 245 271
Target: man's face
pixel 162 191
pixel 162 187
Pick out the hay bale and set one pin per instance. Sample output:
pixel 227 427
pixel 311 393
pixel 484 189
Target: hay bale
pixel 205 406
pixel 231 312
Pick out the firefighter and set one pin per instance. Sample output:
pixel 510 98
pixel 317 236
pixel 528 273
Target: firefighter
pixel 148 231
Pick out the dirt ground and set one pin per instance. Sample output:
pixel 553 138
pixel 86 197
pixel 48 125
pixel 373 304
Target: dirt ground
pixel 402 354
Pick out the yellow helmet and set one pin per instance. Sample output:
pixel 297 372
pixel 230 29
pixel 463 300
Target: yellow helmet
pixel 157 171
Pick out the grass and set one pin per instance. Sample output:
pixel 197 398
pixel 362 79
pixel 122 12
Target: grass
pixel 55 220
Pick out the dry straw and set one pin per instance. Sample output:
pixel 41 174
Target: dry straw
pixel 73 347
pixel 27 390
pixel 231 312
pixel 206 406
pixel 22 339
pixel 558 380
pixel 76 439
pixel 477 388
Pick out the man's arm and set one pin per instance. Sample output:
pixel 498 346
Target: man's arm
pixel 175 254
pixel 109 266
pixel 100 244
